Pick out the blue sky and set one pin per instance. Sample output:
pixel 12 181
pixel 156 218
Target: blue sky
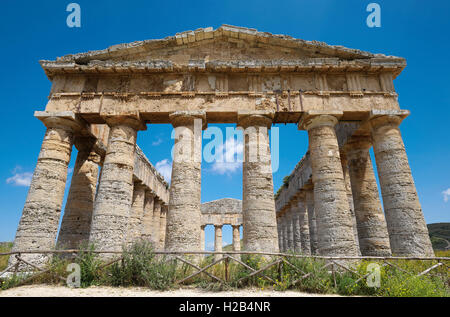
pixel 416 30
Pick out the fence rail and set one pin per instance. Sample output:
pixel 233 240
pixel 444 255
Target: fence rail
pixel 336 264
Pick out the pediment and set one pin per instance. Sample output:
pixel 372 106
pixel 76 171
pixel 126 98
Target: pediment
pixel 227 48
pixel 227 43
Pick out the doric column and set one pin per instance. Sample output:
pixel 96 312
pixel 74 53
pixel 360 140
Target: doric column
pixel 115 190
pixel 258 204
pixel 137 212
pixel 217 241
pixel 280 234
pixel 333 216
pixel 184 216
pixel 38 225
pixel 309 204
pixel 156 223
pixel 236 238
pixel 284 223
pixel 202 237
pixel 290 229
pixel 162 226
pixel 406 225
pixel 348 188
pixel 76 221
pixel 303 225
pixel 371 224
pixel 147 219
pixel 295 219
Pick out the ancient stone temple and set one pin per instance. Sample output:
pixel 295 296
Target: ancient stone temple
pixel 344 98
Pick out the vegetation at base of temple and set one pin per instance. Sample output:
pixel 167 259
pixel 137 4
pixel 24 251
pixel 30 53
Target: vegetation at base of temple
pixel 4 247
pixel 440 235
pixel 139 266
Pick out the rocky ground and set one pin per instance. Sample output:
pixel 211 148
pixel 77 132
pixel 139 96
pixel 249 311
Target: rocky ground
pixel 102 291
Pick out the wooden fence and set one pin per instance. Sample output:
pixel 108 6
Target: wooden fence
pixel 334 264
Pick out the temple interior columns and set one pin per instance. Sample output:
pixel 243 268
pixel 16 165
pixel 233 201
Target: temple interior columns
pixel 236 240
pixel 137 213
pixel 296 230
pixel 156 223
pixel 217 241
pixel 309 204
pixel 147 219
pixel 76 221
pixel 303 224
pixel 371 224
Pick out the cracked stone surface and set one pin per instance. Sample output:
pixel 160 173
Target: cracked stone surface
pixel 333 216
pixel 406 225
pixel 38 225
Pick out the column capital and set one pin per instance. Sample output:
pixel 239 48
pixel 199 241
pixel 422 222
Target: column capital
pixel 258 118
pixel 150 194
pixel 66 120
pixel 131 120
pixel 218 226
pixel 316 118
pixel 186 118
pixel 139 185
pixel 381 118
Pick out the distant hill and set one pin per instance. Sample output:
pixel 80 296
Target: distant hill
pixel 440 235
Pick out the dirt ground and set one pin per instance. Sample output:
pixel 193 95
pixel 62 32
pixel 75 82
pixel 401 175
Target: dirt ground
pixel 102 291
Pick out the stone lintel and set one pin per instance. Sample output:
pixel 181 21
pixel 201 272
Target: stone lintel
pixel 319 117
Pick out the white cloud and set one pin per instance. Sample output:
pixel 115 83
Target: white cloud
pixel 210 246
pixel 70 170
pixel 446 194
pixel 164 167
pixel 232 153
pixel 20 179
pixel 157 142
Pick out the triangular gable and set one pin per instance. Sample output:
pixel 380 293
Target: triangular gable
pixel 225 43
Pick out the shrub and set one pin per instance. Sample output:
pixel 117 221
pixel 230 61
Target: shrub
pixel 90 266
pixel 4 247
pixel 140 267
pixel 319 281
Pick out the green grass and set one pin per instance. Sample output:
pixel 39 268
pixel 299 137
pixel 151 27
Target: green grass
pixel 4 247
